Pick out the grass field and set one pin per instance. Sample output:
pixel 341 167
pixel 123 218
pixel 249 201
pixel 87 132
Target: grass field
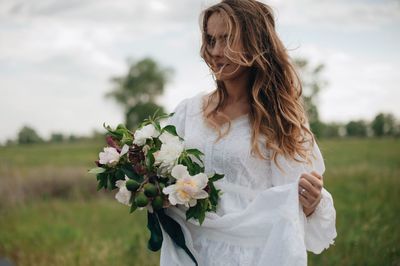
pixel 50 213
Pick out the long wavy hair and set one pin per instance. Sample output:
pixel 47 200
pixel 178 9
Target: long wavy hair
pixel 276 106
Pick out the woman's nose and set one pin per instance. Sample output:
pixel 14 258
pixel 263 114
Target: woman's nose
pixel 218 49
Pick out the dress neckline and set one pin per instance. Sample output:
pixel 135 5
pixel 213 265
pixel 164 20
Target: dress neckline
pixel 234 121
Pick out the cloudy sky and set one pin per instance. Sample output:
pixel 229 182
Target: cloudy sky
pixel 57 57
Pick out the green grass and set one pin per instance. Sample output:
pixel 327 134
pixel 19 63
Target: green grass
pixel 363 175
pixel 56 232
pixel 54 154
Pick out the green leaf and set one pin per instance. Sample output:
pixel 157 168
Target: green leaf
pixel 174 230
pixel 119 174
pixel 112 132
pixel 198 211
pixel 164 116
pixel 197 153
pixel 121 133
pixel 97 170
pixel 170 129
pixel 127 138
pixel 102 180
pixel 99 186
pixel 149 160
pixel 110 185
pixel 157 143
pixel 133 205
pixel 156 238
pixel 156 125
pixel 213 196
pixel 216 177
pixel 121 126
pixel 130 172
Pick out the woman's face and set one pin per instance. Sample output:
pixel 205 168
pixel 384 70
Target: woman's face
pixel 216 38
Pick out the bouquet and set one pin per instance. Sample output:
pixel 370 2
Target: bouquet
pixel 152 170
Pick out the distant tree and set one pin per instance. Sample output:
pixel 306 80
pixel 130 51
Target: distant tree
pixel 28 135
pixel 332 130
pixel 397 130
pixel 138 90
pixel 312 83
pixel 72 138
pixel 378 125
pixel 356 128
pixel 56 137
pixel 383 125
pixel 10 142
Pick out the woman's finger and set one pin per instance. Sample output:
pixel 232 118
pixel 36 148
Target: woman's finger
pixel 313 180
pixel 309 187
pixel 308 202
pixel 320 177
pixel 304 201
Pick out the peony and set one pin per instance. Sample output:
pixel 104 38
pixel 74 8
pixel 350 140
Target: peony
pixel 146 132
pixel 110 156
pixel 171 149
pixel 123 195
pixel 187 189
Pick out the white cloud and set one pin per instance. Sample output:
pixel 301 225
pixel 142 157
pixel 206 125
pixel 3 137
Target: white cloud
pixel 359 87
pixel 339 15
pixel 56 57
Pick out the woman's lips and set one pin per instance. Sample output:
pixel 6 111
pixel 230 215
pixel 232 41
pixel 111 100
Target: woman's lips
pixel 219 66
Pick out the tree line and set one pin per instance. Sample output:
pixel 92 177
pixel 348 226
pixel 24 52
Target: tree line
pixel 383 125
pixel 28 135
pixel 138 90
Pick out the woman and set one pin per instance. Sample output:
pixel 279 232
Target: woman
pixel 273 207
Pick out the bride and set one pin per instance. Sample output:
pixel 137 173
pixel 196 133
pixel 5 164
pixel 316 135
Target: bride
pixel 253 129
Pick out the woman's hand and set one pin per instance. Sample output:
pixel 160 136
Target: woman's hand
pixel 310 187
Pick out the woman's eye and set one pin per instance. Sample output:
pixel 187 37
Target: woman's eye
pixel 224 39
pixel 211 42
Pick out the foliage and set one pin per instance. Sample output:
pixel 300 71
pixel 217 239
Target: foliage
pixel 56 137
pixel 28 135
pixel 383 125
pixel 356 128
pixel 132 162
pixel 137 91
pixel 312 83
pixel 332 130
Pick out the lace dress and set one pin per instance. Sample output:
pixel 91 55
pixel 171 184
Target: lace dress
pixel 259 220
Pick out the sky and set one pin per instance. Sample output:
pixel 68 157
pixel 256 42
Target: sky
pixel 57 57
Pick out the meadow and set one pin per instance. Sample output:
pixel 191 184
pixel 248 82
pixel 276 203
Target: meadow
pixel 51 213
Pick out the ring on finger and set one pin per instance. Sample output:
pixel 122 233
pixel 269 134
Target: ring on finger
pixel 302 191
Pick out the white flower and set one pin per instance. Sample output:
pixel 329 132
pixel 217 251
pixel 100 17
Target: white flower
pixel 171 149
pixel 123 195
pixel 111 156
pixel 187 189
pixel 167 137
pixel 146 132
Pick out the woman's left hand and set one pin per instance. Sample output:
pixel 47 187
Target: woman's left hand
pixel 310 187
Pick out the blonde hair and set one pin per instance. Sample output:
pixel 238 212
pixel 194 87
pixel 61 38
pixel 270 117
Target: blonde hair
pixel 276 107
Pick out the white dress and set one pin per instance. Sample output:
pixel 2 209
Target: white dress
pixel 259 220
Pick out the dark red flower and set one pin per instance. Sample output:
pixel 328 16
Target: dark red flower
pixel 112 143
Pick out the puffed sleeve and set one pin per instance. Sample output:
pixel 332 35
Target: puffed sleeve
pixel 179 117
pixel 320 226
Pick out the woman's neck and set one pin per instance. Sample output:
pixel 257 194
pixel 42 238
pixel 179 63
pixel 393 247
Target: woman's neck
pixel 237 89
